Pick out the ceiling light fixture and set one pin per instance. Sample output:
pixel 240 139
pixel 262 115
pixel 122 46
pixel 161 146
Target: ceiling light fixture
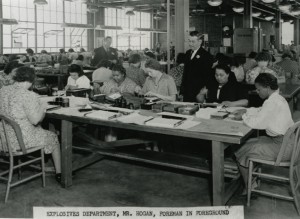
pixel 284 6
pixel 40 2
pixel 269 18
pixel 238 9
pixel 256 13
pixel 130 13
pixel 7 21
pixel 295 11
pixel 268 1
pixel 214 3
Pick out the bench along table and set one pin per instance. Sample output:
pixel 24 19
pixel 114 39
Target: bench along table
pixel 221 133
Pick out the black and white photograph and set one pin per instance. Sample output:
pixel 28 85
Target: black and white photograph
pixel 150 109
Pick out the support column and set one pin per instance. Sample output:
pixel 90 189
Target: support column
pixel 168 34
pixel 1 29
pixel 278 29
pixel 181 26
pixel 35 30
pixel 296 31
pixel 247 18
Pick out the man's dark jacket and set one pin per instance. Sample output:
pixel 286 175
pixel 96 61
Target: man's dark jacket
pixel 196 74
pixel 100 54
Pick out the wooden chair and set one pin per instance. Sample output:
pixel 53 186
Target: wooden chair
pixel 294 170
pixel 6 151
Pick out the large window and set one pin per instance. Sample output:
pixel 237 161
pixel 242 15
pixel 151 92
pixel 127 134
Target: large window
pixel 128 37
pixel 17 38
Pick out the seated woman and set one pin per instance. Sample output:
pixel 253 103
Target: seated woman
pixel 134 71
pixel 30 56
pixel 44 58
pixel 78 61
pixel 119 82
pixel 266 147
pixel 158 84
pixel 224 89
pixel 77 79
pixel 6 77
pixel 25 108
pixel 101 74
pixel 262 59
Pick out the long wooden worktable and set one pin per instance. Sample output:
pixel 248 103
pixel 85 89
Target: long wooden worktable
pixel 219 143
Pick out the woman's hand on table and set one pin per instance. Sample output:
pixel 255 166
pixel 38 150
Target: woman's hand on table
pixel 238 114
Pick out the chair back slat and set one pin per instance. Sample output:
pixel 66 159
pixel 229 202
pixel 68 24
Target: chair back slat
pixel 3 139
pixel 292 133
pixel 7 121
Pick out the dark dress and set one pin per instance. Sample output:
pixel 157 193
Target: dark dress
pixel 196 73
pixel 231 91
pixel 101 54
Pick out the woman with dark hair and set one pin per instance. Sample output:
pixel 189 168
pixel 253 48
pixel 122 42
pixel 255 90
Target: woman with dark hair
pixel 77 79
pixel 158 84
pixel 119 82
pixel 6 77
pixel 25 108
pixel 79 60
pixel 224 89
pixel 263 59
pixel 177 71
pixel 30 56
pixel 134 71
pixel 72 55
pixel 266 147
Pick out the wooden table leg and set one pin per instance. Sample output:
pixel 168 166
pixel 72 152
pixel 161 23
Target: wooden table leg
pixel 60 82
pixel 66 153
pixel 218 187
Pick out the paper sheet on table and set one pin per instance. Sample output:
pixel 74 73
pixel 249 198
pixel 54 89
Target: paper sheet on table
pixel 103 115
pixel 187 124
pixel 134 118
pixel 221 127
pixel 204 113
pixel 164 123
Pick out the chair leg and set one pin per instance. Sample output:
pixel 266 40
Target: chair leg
pixel 11 170
pixel 294 187
pixel 43 167
pixel 258 177
pixel 249 183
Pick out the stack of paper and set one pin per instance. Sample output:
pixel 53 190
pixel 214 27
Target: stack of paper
pixel 135 118
pixel 103 115
pixel 165 123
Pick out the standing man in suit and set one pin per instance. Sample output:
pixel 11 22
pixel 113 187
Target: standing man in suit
pixel 197 68
pixel 105 52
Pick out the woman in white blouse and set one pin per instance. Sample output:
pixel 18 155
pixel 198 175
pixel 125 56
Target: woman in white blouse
pixel 274 117
pixel 77 79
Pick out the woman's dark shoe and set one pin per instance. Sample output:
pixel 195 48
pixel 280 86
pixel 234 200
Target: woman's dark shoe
pixel 58 177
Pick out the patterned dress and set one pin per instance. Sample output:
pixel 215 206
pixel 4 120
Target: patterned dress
pixel 5 79
pixel 111 86
pixel 137 75
pixel 176 73
pixel 19 103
